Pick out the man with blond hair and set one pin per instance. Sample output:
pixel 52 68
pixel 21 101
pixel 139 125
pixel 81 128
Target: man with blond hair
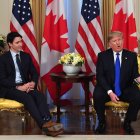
pixel 117 69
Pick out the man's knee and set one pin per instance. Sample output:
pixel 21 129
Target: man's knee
pixel 27 100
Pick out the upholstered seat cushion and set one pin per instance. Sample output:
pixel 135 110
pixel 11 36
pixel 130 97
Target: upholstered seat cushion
pixel 6 103
pixel 119 104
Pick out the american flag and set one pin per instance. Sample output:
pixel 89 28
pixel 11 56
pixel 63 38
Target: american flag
pixel 124 21
pixel 22 23
pixel 90 40
pixel 54 44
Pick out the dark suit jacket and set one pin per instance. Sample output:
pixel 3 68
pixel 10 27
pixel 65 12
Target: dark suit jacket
pixel 106 69
pixel 7 71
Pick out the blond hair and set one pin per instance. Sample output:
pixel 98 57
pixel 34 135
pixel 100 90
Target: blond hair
pixel 113 34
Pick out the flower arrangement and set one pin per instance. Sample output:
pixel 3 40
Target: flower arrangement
pixel 2 41
pixel 2 44
pixel 72 59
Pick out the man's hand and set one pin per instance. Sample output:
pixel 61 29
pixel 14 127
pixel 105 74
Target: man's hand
pixel 137 80
pixel 23 87
pixel 31 86
pixel 26 87
pixel 114 98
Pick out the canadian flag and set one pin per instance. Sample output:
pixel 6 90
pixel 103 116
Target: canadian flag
pixel 124 21
pixel 54 44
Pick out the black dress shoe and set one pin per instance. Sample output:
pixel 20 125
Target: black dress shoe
pixel 101 128
pixel 128 129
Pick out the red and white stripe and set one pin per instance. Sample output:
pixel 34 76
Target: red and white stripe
pixel 89 43
pixel 29 40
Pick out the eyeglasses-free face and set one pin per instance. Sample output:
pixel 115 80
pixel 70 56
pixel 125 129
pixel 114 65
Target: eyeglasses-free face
pixel 116 43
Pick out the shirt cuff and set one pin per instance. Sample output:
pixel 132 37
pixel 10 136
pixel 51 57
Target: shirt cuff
pixel 109 91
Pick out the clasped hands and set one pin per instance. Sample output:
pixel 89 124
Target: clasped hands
pixel 26 87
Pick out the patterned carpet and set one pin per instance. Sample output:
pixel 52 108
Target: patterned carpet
pixel 70 137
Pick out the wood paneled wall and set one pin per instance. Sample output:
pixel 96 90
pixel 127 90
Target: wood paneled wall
pixel 107 18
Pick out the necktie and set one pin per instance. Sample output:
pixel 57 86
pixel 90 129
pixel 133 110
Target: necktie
pixel 117 76
pixel 20 67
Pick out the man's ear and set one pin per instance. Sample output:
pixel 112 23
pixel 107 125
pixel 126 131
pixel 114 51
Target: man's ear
pixel 109 44
pixel 9 44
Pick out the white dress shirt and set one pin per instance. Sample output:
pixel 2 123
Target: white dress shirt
pixel 18 76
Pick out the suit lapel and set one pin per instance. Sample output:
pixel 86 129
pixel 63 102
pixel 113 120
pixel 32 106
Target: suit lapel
pixel 11 62
pixel 123 64
pixel 23 63
pixel 111 64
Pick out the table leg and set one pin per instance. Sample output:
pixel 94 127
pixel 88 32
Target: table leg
pixel 58 85
pixel 86 85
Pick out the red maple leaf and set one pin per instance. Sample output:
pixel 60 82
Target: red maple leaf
pixel 128 27
pixel 49 1
pixel 53 33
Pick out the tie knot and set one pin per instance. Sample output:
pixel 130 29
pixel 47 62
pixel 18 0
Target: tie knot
pixel 17 57
pixel 117 54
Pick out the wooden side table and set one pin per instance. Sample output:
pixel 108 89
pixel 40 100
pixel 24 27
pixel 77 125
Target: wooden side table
pixel 84 78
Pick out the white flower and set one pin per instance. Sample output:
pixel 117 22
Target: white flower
pixel 72 59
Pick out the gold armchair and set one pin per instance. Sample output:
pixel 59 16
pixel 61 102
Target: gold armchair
pixel 138 59
pixel 13 106
pixel 121 107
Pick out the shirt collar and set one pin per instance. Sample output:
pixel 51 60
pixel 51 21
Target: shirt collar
pixel 14 53
pixel 118 52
